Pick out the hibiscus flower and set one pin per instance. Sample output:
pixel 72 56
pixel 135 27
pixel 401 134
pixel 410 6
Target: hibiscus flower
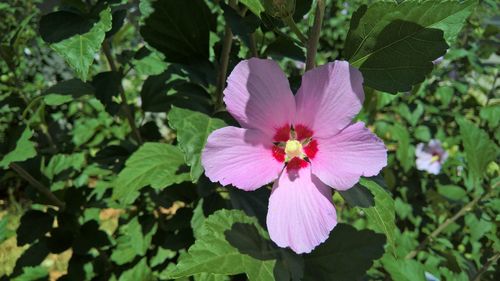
pixel 306 144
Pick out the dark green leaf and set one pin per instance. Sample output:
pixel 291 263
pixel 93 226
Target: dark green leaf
pixel 180 30
pixel 358 196
pixel 60 25
pixel 67 91
pixel 34 224
pixel 394 44
pixel 346 255
pixel 107 85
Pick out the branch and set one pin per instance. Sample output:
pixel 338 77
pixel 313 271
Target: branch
pixel 443 226
pixel 129 114
pixel 227 41
pixel 485 267
pixel 312 44
pixel 37 185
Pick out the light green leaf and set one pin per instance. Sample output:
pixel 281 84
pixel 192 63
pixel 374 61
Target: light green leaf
pixel 382 216
pixel 255 6
pixel 24 150
pixel 61 162
pixel 404 152
pixel 452 192
pixel 79 50
pixel 32 274
pixel 140 271
pixel 212 253
pixel 403 269
pixel 132 241
pixel 480 150
pixel 394 44
pixel 193 129
pixel 155 164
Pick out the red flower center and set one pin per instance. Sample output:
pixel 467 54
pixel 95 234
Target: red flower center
pixel 294 146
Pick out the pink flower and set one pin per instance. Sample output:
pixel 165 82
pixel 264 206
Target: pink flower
pixel 430 157
pixel 307 142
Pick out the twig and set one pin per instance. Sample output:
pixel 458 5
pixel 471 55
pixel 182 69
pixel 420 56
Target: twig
pixel 252 45
pixel 37 185
pixel 443 226
pixel 312 43
pixel 291 23
pixel 485 267
pixel 128 113
pixel 227 41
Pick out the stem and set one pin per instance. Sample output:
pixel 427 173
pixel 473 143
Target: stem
pixel 291 23
pixel 443 226
pixel 37 185
pixel 253 45
pixel 227 41
pixel 128 113
pixel 312 44
pixel 485 267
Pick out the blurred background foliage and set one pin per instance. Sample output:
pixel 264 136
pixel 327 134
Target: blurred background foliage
pixel 79 120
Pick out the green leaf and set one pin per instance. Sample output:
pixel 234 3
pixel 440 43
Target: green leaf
pixel 358 196
pixel 180 30
pixel 61 162
pixel 140 271
pixel 382 217
pixel 480 150
pixel 403 269
pixel 452 192
pixel 393 45
pixel 346 255
pixel 67 91
pixel 404 152
pixel 213 253
pixel 193 129
pixel 33 274
pixel 135 239
pixel 155 164
pixel 79 50
pixel 25 149
pixel 255 6
pixel 423 133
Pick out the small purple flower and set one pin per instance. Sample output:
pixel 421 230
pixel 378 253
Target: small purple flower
pixel 438 60
pixel 430 157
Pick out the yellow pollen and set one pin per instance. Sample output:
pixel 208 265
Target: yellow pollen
pixel 434 158
pixel 293 148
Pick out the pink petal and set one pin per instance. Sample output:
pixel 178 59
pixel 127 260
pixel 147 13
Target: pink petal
pixel 329 98
pixel 241 157
pixel 258 95
pixel 301 212
pixel 352 153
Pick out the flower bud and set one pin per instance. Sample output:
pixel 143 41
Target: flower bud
pixel 280 8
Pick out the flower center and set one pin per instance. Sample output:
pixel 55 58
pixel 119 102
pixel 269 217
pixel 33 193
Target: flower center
pixel 293 149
